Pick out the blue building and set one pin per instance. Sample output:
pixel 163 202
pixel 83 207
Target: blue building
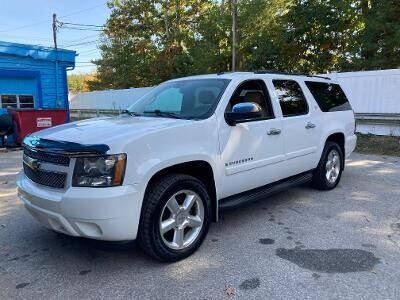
pixel 34 76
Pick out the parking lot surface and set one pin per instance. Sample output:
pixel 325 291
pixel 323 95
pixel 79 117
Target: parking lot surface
pixel 301 243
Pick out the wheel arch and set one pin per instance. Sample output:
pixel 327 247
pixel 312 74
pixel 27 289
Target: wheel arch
pixel 199 169
pixel 338 138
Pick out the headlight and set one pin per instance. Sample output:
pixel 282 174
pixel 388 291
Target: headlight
pixel 99 171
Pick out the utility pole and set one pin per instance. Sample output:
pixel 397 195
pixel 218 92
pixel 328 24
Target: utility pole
pixel 234 33
pixel 55 30
pixel 55 46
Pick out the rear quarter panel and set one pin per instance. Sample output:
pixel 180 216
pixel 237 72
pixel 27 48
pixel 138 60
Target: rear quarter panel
pixel 334 122
pixel 329 123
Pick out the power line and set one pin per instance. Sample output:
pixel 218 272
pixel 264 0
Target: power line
pixel 46 21
pixel 83 10
pixel 81 28
pixel 27 37
pixel 81 25
pixel 88 51
pixel 25 26
pixel 83 66
pixel 82 43
pixel 82 38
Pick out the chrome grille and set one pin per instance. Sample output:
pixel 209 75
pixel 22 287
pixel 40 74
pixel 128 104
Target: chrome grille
pixel 48 169
pixel 51 179
pixel 47 157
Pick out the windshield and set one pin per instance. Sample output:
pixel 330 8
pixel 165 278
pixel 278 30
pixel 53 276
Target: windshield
pixel 184 99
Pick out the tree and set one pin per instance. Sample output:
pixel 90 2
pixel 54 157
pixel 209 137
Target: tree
pixel 380 37
pixel 150 41
pixel 79 82
pixel 262 35
pixel 147 42
pixel 324 34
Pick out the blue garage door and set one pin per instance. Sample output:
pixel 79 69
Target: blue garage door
pixel 18 92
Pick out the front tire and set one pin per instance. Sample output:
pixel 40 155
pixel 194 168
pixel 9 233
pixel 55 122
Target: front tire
pixel 329 171
pixel 175 217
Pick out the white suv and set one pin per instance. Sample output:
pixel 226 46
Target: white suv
pixel 160 172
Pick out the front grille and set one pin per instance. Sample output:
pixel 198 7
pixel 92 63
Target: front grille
pixel 47 157
pixel 51 179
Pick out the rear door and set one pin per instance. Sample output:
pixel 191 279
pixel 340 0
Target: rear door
pixel 299 132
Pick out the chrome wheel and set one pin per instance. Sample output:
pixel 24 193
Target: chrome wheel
pixel 181 219
pixel 332 166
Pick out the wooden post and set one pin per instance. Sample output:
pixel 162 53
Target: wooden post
pixel 55 30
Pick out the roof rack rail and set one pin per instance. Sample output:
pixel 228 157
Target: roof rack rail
pixel 319 76
pixel 271 72
pixel 287 73
pixel 222 73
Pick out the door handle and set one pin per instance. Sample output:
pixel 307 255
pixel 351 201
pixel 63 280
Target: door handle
pixel 274 131
pixel 310 125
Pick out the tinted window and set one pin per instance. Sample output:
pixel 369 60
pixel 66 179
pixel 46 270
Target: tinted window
pixel 17 101
pixel 188 99
pixel 9 101
pixel 291 98
pixel 26 101
pixel 329 96
pixel 252 91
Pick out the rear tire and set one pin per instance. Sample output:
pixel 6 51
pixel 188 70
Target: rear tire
pixel 175 217
pixel 329 171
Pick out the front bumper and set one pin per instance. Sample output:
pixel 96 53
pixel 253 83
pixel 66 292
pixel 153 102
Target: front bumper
pixel 110 214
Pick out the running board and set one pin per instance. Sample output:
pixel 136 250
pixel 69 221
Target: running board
pixel 262 192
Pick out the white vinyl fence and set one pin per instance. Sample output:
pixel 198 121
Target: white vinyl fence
pixel 103 103
pixel 107 100
pixel 375 98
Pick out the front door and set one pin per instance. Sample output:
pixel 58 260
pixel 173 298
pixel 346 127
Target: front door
pixel 252 152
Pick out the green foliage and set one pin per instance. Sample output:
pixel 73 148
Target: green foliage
pixel 79 82
pixel 380 37
pixel 149 41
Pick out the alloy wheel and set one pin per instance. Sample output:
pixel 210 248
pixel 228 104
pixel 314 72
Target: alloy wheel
pixel 332 169
pixel 181 219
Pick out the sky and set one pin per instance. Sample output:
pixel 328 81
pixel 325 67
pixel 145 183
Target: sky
pixel 29 22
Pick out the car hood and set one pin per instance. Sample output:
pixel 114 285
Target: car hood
pixel 108 130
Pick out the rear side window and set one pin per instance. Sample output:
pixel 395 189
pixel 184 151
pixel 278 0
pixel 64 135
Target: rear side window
pixel 291 98
pixel 329 96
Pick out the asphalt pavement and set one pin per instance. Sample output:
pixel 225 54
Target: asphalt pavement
pixel 298 244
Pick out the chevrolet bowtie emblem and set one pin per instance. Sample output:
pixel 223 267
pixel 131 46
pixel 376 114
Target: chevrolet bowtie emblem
pixel 32 163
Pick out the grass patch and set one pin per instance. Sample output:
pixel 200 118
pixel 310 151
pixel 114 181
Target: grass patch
pixel 375 144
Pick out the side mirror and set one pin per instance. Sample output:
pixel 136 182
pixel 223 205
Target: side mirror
pixel 243 112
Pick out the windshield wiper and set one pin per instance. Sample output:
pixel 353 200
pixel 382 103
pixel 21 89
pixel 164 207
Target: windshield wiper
pixel 131 113
pixel 163 114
